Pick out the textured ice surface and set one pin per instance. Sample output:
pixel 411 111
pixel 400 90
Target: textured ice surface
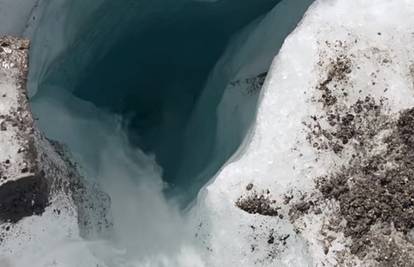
pixel 148 230
pixel 234 220
pixel 227 106
pixel 279 159
pixel 37 172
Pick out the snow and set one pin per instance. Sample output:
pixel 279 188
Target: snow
pixel 270 158
pixel 13 108
pixel 10 143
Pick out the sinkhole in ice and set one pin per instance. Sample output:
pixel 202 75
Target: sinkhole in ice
pixel 152 98
pixel 149 63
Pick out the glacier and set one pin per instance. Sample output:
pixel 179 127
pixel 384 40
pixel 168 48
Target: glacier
pixel 220 152
pixel 156 105
pixel 367 41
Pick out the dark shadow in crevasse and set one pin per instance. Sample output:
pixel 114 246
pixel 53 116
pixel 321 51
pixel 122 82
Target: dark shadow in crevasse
pixel 155 71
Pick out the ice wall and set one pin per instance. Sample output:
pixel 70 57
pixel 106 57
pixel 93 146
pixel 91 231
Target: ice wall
pixel 147 62
pixel 148 229
pixel 15 15
pixel 343 53
pixel 227 105
pixel 57 27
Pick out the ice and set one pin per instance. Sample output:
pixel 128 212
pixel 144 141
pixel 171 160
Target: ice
pixel 227 106
pixel 147 63
pixel 149 228
pixel 237 133
pixel 15 15
pixel 277 157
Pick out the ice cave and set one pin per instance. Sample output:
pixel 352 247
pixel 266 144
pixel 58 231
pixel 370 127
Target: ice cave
pixel 206 133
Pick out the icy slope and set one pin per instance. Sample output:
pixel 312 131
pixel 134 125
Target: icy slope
pixel 15 15
pixel 227 106
pixel 333 114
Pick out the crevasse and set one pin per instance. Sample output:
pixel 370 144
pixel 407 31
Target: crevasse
pixel 147 62
pixel 152 98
